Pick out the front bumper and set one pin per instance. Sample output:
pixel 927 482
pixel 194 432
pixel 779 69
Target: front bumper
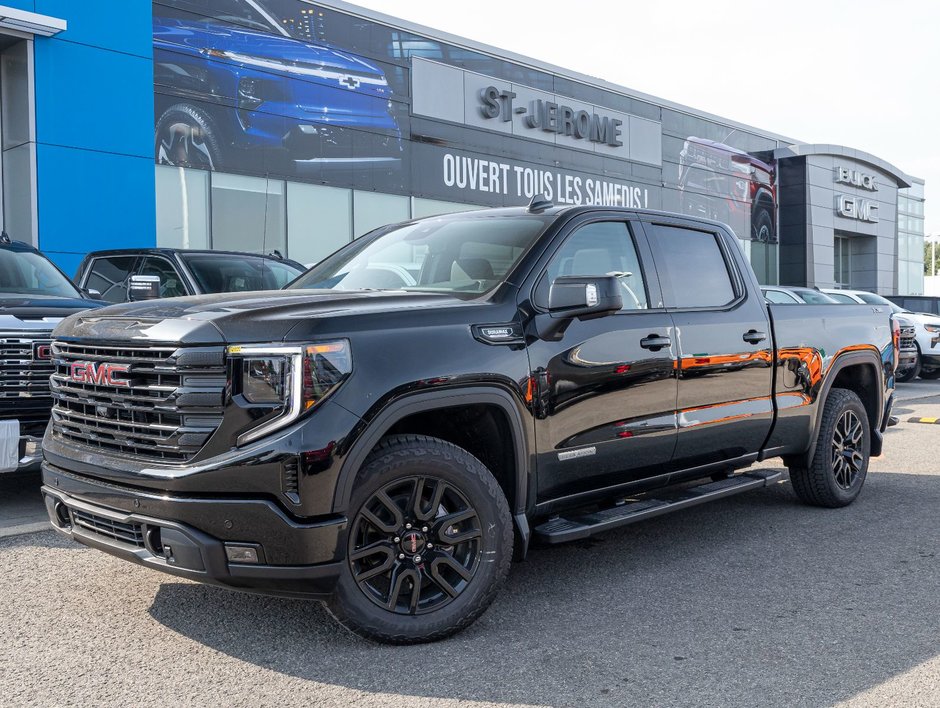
pixel 30 453
pixel 906 359
pixel 189 536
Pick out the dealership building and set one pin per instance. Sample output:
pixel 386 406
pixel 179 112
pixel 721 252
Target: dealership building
pixel 297 126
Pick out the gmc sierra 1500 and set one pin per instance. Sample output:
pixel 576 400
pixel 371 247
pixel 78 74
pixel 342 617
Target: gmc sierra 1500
pixel 407 416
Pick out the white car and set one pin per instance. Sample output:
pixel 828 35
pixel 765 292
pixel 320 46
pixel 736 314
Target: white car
pixel 927 325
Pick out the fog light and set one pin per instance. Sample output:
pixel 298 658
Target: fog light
pixel 241 554
pixel 62 515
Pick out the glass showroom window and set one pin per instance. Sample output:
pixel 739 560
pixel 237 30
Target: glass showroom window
pixel 248 214
pixel 372 210
pixel 432 207
pixel 17 148
pixel 319 221
pixel 182 207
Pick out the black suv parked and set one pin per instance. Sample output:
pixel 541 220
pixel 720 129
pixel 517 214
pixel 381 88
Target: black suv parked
pixel 183 272
pixel 390 430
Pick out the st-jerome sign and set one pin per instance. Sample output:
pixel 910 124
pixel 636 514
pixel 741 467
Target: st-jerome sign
pixel 552 117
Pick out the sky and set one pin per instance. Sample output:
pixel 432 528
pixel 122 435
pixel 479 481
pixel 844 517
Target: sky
pixel 861 74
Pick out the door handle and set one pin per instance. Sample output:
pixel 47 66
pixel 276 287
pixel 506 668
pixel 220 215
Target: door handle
pixel 752 336
pixel 655 342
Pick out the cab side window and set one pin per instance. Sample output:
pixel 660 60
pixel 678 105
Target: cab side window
pixel 171 285
pixel 602 248
pixel 695 269
pixel 779 298
pixel 109 277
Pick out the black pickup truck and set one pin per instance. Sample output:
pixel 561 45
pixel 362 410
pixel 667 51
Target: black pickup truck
pixel 389 431
pixel 34 297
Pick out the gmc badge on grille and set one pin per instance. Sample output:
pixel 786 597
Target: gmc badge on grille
pixel 42 351
pixel 99 373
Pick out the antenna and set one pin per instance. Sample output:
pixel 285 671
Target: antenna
pixel 539 204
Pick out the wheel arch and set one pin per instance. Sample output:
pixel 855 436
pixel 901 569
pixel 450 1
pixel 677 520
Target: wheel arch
pixel 385 421
pixel 860 372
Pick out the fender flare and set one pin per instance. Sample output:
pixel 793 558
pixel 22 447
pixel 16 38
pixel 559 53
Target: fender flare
pixel 422 402
pixel 864 358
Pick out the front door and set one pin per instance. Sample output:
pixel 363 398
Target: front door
pixel 724 343
pixel 604 390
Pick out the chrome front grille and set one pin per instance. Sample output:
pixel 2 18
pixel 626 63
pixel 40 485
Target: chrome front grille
pixel 22 375
pixel 159 402
pixel 908 337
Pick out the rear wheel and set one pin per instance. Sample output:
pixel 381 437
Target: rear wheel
pixel 430 541
pixel 839 466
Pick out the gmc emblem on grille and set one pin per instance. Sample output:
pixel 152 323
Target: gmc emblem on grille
pixel 42 351
pixel 101 373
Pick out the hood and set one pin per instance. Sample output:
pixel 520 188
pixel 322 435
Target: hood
pixel 202 36
pixel 40 306
pixel 241 318
pixel 924 318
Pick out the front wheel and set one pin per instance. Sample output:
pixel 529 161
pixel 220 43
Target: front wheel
pixel 930 374
pixel 430 541
pixel 186 136
pixel 839 466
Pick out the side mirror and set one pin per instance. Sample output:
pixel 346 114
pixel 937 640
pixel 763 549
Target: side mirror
pixel 91 293
pixel 143 287
pixel 585 296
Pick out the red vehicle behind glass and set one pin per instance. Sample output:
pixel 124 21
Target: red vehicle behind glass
pixel 729 185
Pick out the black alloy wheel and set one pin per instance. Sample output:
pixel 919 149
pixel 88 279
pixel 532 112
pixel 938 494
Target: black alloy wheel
pixel 429 543
pixel 836 473
pixel 415 545
pixel 847 457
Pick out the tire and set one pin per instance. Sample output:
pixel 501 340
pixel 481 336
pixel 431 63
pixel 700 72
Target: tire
pixel 460 534
pixel 186 136
pixel 826 481
pixel 762 226
pixel 911 373
pixel 930 374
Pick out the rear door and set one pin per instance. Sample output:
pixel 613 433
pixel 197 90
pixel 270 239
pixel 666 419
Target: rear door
pixel 603 393
pixel 725 350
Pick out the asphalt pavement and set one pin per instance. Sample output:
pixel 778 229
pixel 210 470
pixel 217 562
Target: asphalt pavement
pixel 753 600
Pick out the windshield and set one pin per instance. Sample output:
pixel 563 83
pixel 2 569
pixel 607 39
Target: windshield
pixel 460 254
pixel 248 13
pixel 29 273
pixel 872 299
pixel 228 273
pixel 839 297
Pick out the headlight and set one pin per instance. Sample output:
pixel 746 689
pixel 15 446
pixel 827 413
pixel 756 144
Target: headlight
pixel 278 384
pixel 933 329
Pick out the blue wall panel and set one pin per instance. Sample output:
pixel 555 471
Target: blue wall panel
pixel 28 5
pixel 93 200
pixel 110 24
pixel 94 129
pixel 93 98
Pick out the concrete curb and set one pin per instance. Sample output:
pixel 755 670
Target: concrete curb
pixel 23 529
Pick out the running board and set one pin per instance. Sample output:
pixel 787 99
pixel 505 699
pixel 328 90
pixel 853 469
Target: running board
pixel 573 526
